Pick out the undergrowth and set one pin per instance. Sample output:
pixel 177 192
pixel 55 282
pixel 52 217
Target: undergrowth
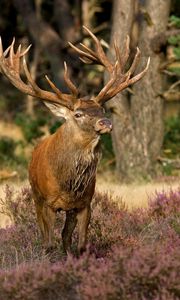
pixel 130 255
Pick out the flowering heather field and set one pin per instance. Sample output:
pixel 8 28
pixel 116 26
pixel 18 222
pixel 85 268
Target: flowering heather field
pixel 131 254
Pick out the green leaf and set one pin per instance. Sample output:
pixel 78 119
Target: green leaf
pixel 175 21
pixel 177 52
pixel 174 40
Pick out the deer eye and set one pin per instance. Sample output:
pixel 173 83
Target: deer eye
pixel 78 115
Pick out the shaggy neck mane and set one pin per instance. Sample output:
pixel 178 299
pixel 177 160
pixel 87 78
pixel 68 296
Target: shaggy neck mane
pixel 76 167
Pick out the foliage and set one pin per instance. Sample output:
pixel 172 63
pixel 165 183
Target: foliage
pixel 107 146
pixel 97 16
pixel 174 40
pixel 172 135
pixel 30 126
pixel 55 126
pixel 175 20
pixel 9 159
pixel 131 255
pixel 7 148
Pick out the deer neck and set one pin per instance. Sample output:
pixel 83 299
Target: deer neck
pixel 74 160
pixel 77 140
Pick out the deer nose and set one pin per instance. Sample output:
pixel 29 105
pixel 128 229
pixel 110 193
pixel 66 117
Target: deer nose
pixel 103 125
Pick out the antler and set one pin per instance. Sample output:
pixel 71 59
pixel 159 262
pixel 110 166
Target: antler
pixel 119 78
pixel 10 67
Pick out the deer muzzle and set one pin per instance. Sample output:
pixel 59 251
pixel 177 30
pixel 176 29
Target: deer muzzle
pixel 103 126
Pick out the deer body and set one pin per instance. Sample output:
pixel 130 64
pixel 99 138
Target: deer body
pixel 61 176
pixel 62 172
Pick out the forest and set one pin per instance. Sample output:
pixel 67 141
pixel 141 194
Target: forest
pixel 133 240
pixel 149 125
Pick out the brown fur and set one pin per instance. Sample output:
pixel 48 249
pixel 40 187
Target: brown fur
pixel 63 168
pixel 62 174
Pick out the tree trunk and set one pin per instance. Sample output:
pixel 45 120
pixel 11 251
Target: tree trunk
pixel 137 116
pixel 45 36
pixel 64 20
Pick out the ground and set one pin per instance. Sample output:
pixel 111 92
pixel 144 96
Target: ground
pixel 133 195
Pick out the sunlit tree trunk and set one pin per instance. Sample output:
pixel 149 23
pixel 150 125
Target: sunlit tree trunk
pixel 137 115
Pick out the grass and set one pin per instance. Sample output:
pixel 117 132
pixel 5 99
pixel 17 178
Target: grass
pixel 132 254
pixel 132 195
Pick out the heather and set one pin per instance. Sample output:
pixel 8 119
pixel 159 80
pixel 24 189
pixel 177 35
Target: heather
pixel 130 255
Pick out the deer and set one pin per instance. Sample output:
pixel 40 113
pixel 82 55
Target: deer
pixel 62 172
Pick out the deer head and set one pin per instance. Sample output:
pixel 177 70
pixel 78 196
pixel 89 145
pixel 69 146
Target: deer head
pixel 88 115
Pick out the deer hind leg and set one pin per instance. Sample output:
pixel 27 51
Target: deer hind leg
pixel 46 219
pixel 83 219
pixel 68 229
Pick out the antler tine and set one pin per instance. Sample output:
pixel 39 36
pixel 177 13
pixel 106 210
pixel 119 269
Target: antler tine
pixel 126 52
pixel 15 58
pixel 2 52
pixel 90 51
pixel 102 58
pixel 69 83
pixel 10 65
pixel 82 53
pixel 89 56
pixel 39 92
pixel 108 85
pixel 122 60
pixel 114 90
pixel 6 51
pixel 86 61
pixel 11 54
pixel 122 80
pixel 54 88
pixel 118 88
pixel 19 49
pixel 29 77
pixel 119 78
pixel 118 55
pixel 140 75
pixel 135 61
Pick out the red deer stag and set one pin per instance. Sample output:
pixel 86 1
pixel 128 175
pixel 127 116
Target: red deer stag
pixel 62 172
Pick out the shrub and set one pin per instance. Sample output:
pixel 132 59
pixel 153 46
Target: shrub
pixel 148 272
pixel 30 126
pixel 7 148
pixel 172 135
pixel 165 204
pixel 131 255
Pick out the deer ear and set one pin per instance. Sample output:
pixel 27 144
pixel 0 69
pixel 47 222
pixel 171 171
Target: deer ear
pixel 58 110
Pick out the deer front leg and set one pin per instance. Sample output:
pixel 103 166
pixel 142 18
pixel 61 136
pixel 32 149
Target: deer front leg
pixel 83 218
pixel 46 220
pixel 68 229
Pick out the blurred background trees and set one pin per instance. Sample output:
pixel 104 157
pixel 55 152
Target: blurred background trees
pixel 146 135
